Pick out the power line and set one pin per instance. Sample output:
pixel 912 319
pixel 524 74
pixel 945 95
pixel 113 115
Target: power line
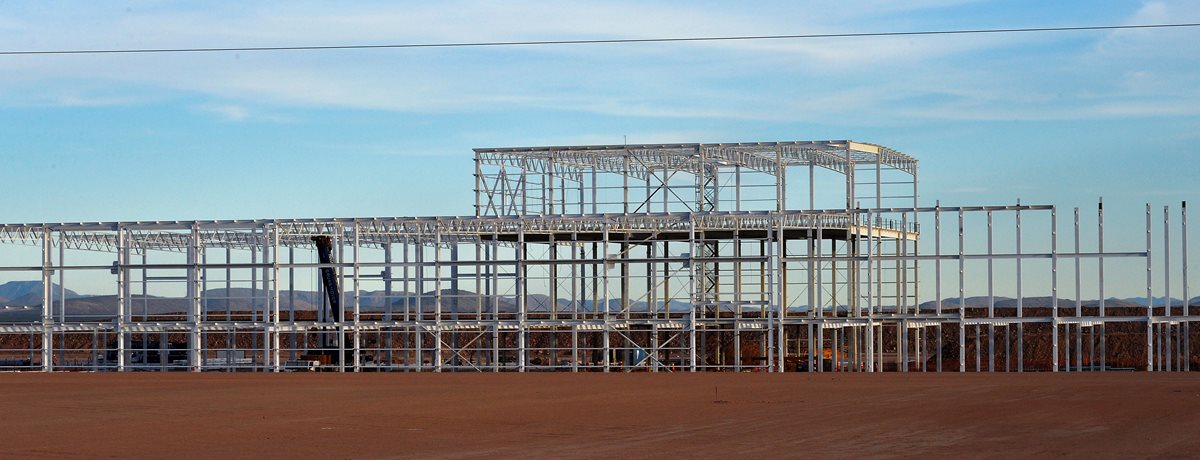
pixel 597 41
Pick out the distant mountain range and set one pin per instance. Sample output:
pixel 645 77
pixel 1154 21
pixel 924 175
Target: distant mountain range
pixel 28 294
pixel 1046 302
pixel 1162 301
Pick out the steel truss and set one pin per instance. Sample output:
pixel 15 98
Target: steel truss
pixel 702 284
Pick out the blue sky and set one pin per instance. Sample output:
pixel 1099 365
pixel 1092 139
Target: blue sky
pixel 1057 118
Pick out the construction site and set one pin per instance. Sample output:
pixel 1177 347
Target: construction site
pixel 809 256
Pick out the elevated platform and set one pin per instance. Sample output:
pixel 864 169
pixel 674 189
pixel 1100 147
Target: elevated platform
pixel 691 177
pixel 251 234
pixel 642 160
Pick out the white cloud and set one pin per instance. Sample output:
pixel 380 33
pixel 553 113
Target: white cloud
pixel 328 77
pixel 76 94
pixel 501 139
pixel 961 77
pixel 1143 44
pixel 239 113
pixel 226 112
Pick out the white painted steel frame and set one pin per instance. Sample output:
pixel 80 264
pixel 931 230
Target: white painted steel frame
pixel 698 336
pixel 842 285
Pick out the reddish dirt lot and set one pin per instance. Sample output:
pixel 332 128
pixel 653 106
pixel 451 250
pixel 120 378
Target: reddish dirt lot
pixel 596 415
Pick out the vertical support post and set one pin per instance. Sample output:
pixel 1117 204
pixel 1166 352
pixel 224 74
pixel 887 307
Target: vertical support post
pixel 1092 346
pixel 916 267
pixel 492 251
pixel 339 247
pixel 438 359
pixel 388 344
pixel 524 186
pixel 777 294
pixel 1187 313
pixel 978 347
pixel 1078 300
pixel 418 313
pixel 356 354
pixel 122 295
pixel 522 280
pixel 254 298
pixel 737 188
pixel 781 174
pixel 275 352
pixel 834 347
pixel 1167 284
pixel 962 300
pixel 820 259
pixel 1167 281
pixel 479 184
pixel 230 335
pixel 870 339
pixel 1020 297
pixel 691 294
pixel 820 295
pixel 652 296
pixel 62 294
pixel 811 340
pixel 1100 284
pixel 47 303
pixel 263 321
pixel 548 186
pixel 937 275
pixel 1007 347
pixel 1149 299
pixel 812 188
pixel 575 347
pixel 578 273
pixel 991 297
pixel 1054 288
pixel 625 183
pixel 193 295
pixel 775 306
pixel 878 181
pixel 916 271
pixel 607 311
pixel 292 339
pixel 652 300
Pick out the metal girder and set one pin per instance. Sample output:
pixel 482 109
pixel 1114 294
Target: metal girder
pixel 378 232
pixel 568 161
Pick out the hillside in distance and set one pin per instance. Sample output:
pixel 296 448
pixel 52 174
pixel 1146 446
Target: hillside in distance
pixel 22 301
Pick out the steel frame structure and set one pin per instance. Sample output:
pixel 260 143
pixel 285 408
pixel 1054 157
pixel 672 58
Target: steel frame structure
pixel 602 258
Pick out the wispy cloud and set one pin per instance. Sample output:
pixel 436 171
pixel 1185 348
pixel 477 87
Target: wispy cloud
pixel 500 139
pixel 226 112
pixel 90 94
pixel 413 79
pixel 955 78
pixel 238 113
pixel 76 100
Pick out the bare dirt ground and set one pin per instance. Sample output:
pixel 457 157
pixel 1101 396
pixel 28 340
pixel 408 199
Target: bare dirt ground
pixel 217 415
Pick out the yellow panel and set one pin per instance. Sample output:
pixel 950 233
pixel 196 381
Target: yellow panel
pixel 864 147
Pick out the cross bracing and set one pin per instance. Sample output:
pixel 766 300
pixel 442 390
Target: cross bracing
pixel 636 160
pixel 687 177
pixel 379 231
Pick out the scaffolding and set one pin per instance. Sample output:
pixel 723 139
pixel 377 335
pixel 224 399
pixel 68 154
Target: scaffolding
pixel 659 258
